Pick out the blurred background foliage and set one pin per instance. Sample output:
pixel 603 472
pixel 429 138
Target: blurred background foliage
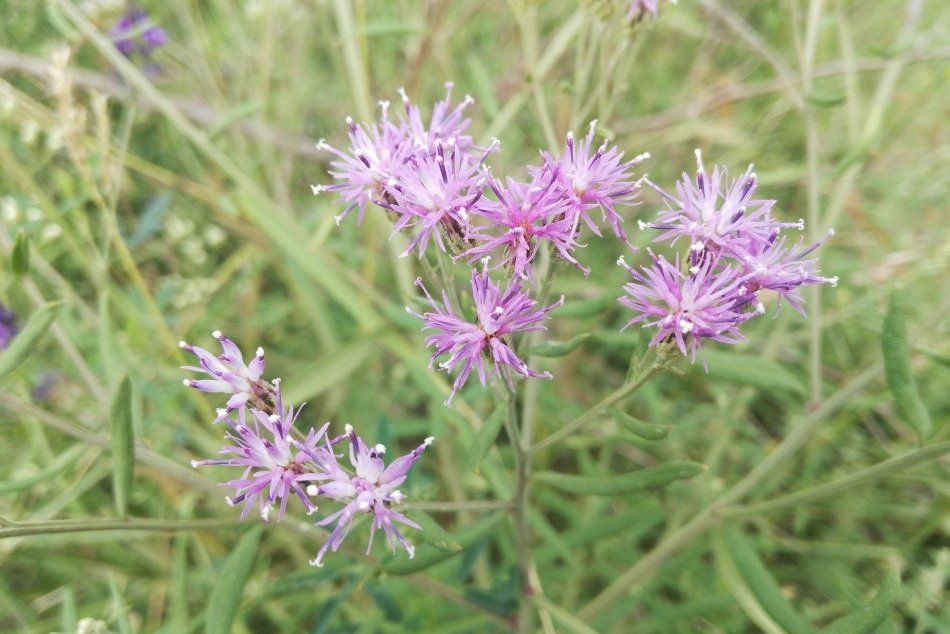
pixel 160 208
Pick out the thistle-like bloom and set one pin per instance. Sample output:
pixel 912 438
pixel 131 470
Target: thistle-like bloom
pixel 276 465
pixel 727 222
pixel 497 316
pixel 375 153
pixel 526 214
pixel 433 194
pixel 703 303
pixel 592 178
pixel 136 37
pixel 372 489
pixel 447 124
pixel 230 375
pixel 8 328
pixel 771 266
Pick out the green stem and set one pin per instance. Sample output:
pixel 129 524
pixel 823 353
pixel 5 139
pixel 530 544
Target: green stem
pixel 709 516
pixel 832 488
pixel 51 527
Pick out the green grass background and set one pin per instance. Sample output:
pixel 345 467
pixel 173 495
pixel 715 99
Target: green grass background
pixel 181 205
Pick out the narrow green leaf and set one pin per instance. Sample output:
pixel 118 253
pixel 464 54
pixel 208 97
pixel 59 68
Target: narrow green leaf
pixel 485 437
pixel 20 255
pixel 869 618
pixel 427 556
pixel 327 611
pixel 825 99
pixel 738 587
pixel 26 341
pixel 761 583
pixel 558 348
pixel 119 609
pixel 640 480
pixel 123 445
pixel 587 307
pixel 752 370
pixel 433 533
pixel 228 588
pixel 68 618
pixel 898 371
pixel 329 372
pixel 637 427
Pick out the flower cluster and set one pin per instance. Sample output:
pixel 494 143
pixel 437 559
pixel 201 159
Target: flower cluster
pixel 8 328
pixel 137 37
pixel 280 464
pixel 435 184
pixel 735 251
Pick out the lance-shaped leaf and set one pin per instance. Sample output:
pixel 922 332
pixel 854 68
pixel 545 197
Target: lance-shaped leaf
pixel 485 437
pixel 26 340
pixel 637 427
pixel 123 445
pixel 427 556
pixel 753 586
pixel 898 370
pixel 640 480
pixel 747 369
pixel 20 255
pixel 869 618
pixel 558 348
pixel 229 586
pixel 433 533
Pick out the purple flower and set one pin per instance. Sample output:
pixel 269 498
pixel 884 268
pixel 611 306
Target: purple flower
pixel 276 465
pixel 230 375
pixel 593 178
pixel 446 124
pixel 729 222
pixel 497 316
pixel 374 155
pixel 526 214
pixel 8 327
pixel 702 303
pixel 371 489
pixel 433 194
pixel 770 266
pixel 134 35
pixel 638 8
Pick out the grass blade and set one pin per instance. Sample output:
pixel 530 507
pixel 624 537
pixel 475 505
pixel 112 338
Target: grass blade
pixel 20 255
pixel 123 445
pixel 640 480
pixel 26 341
pixel 897 369
pixel 227 591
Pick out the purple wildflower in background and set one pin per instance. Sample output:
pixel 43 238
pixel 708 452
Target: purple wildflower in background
pixel 447 124
pixel 596 178
pixel 702 303
pixel 372 489
pixel 375 153
pixel 276 465
pixel 639 8
pixel 231 375
pixel 770 266
pixel 522 218
pixel 727 222
pixel 136 37
pixel 433 193
pixel 8 328
pixel 468 344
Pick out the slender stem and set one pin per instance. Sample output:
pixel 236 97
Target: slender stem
pixel 842 484
pixel 462 505
pixel 108 524
pixel 620 393
pixel 710 515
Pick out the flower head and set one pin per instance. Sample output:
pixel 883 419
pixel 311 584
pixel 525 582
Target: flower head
pixel 8 327
pixel 596 178
pixel 637 9
pixel 276 465
pixel 469 344
pixel 433 194
pixel 522 218
pixel 702 303
pixel 447 123
pixel 727 222
pixel 135 36
pixel 371 488
pixel 231 375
